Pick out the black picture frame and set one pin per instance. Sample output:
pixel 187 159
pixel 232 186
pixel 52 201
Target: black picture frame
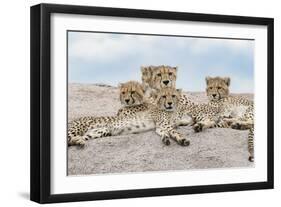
pixel 41 98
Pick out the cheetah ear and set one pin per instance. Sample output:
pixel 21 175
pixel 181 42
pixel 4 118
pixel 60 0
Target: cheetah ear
pixel 227 81
pixel 176 68
pixel 143 69
pixel 208 78
pixel 179 91
pixel 150 68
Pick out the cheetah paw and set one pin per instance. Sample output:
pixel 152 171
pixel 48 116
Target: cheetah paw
pixel 198 127
pixel 80 141
pixel 236 125
pixel 184 142
pixel 251 158
pixel 239 126
pixel 166 141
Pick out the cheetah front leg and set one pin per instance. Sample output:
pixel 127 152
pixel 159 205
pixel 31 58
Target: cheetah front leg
pixel 97 133
pixel 167 132
pixel 164 135
pixel 242 125
pixel 204 124
pixel 179 138
pixel 77 140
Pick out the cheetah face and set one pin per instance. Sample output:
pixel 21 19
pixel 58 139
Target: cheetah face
pixel 131 93
pixel 168 98
pixel 163 77
pixel 217 88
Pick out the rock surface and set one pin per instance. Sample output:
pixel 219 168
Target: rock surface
pixel 212 148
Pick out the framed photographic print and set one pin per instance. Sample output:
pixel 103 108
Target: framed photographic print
pixel 133 103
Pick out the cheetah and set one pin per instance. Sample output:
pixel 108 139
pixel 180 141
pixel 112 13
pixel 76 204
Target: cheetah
pixel 132 98
pixel 160 117
pixel 238 112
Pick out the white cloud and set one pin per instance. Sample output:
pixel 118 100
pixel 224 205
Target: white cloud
pixel 190 54
pixel 201 46
pixel 98 46
pixel 107 47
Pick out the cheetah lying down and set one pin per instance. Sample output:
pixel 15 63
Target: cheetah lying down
pixel 160 117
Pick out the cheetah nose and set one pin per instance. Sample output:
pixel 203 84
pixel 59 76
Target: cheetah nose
pixel 214 95
pixel 127 100
pixel 170 103
pixel 166 82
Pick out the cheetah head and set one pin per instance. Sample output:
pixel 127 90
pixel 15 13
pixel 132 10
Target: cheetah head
pixel 168 98
pixel 217 88
pixel 131 93
pixel 158 77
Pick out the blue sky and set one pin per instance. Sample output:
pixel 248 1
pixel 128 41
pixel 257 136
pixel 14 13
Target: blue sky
pixel 116 58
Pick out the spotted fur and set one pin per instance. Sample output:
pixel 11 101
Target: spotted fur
pixel 161 117
pixel 237 112
pixel 189 112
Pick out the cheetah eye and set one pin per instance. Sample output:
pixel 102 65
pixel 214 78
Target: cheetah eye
pixel 211 88
pixel 133 92
pixel 174 96
pixel 219 87
pixel 170 73
pixel 159 74
pixel 164 96
pixel 123 92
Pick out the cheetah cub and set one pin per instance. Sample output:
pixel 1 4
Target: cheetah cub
pixel 132 98
pixel 238 112
pixel 161 117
